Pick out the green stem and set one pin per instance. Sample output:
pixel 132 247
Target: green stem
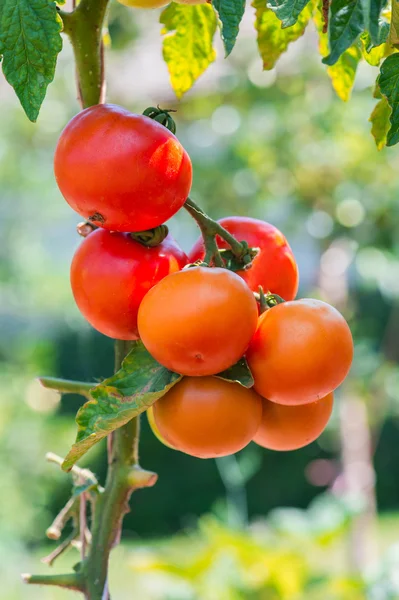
pixel 84 27
pixel 70 581
pixel 113 504
pixel 210 229
pixel 67 387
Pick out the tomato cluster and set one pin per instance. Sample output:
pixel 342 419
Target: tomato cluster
pixel 127 173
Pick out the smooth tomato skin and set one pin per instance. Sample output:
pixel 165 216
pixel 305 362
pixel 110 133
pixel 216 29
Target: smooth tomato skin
pixel 301 351
pixel 198 321
pixel 154 428
pixel 208 417
pixel 121 171
pixel 144 3
pixel 292 427
pixel 274 268
pixel 110 275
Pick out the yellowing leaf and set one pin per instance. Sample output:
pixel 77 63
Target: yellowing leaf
pixel 380 124
pixel 187 45
pixel 343 72
pixel 272 39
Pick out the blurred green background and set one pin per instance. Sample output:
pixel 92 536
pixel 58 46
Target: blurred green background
pixel 320 523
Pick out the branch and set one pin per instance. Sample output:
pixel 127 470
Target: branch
pixel 67 387
pixel 84 27
pixel 70 581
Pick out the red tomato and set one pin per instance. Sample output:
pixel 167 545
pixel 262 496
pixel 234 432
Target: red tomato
pixel 292 427
pixel 121 171
pixel 199 321
pixel 110 275
pixel 274 268
pixel 208 417
pixel 301 351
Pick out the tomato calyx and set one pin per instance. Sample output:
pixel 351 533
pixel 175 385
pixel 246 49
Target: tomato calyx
pixel 268 300
pixel 162 116
pixel 151 237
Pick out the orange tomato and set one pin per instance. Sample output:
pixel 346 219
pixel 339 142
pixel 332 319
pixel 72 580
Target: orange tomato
pixel 154 428
pixel 198 321
pixel 301 351
pixel 208 417
pixel 292 427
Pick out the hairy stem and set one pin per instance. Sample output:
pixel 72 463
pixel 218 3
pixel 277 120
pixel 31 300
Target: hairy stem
pixel 84 28
pixel 210 229
pixel 70 581
pixel 67 387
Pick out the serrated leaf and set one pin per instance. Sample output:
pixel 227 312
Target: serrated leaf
pixel 30 40
pixel 345 25
pixel 239 373
pixel 287 11
pixel 379 120
pixel 388 82
pixel 187 44
pixel 230 13
pixel 273 40
pixel 136 386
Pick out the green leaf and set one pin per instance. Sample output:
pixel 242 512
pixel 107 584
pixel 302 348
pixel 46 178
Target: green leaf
pixel 371 16
pixel 230 13
pixel 343 73
pixel 394 30
pixel 388 82
pixel 379 120
pixel 372 53
pixel 239 373
pixel 287 11
pixel 30 41
pixel 187 44
pixel 272 39
pixel 136 386
pixel 346 23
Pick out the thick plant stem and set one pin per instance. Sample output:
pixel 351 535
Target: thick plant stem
pixel 84 28
pixel 113 504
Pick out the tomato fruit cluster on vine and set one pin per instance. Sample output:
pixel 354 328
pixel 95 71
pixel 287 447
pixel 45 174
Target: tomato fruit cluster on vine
pixel 126 174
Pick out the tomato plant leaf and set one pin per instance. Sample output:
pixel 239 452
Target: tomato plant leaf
pixel 394 29
pixel 388 82
pixel 373 54
pixel 230 13
pixel 379 120
pixel 371 13
pixel 287 11
pixel 136 386
pixel 240 373
pixel 346 24
pixel 187 44
pixel 30 40
pixel 273 40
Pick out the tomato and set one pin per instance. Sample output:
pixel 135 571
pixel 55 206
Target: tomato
pixel 198 321
pixel 154 428
pixel 274 268
pixel 292 427
pixel 144 3
pixel 121 171
pixel 208 417
pixel 110 275
pixel 301 351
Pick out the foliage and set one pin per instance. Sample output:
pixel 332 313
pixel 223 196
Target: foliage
pixel 357 30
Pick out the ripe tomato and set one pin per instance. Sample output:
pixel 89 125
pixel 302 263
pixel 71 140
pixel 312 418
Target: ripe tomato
pixel 208 417
pixel 110 275
pixel 301 351
pixel 274 268
pixel 121 171
pixel 154 428
pixel 199 321
pixel 292 427
pixel 144 3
